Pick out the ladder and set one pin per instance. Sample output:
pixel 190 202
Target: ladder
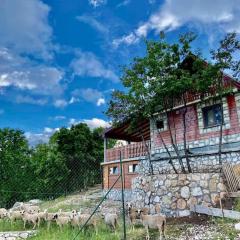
pixel 232 174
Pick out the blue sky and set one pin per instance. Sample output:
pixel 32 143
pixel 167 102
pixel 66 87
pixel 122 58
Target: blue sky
pixel 60 60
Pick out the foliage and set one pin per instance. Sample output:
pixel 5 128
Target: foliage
pixel 69 162
pixel 14 159
pixel 165 77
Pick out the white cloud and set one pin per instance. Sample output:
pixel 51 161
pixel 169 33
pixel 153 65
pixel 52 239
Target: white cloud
pixel 93 23
pixel 97 3
pixel 87 64
pixel 37 138
pixel 100 101
pixel 225 14
pixel 92 123
pixel 30 100
pixel 89 95
pixel 24 27
pixel 74 100
pixel 26 37
pixel 123 3
pixel 60 103
pixel 96 122
pixel 58 118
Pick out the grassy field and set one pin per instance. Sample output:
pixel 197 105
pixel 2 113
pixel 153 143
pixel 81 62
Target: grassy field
pixel 196 227
pixel 213 229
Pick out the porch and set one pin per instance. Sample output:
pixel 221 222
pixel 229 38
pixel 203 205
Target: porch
pixel 137 142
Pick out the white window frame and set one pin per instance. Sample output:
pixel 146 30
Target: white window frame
pixel 208 103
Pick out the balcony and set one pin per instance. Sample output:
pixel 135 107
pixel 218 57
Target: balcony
pixel 130 151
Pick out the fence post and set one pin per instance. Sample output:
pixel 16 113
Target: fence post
pixel 123 202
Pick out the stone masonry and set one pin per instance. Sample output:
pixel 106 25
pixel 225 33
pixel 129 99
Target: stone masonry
pixel 16 235
pixel 176 192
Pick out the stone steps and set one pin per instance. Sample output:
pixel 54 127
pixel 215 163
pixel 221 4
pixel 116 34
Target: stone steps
pixel 17 235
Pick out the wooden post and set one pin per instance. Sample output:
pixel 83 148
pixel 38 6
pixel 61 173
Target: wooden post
pixel 105 149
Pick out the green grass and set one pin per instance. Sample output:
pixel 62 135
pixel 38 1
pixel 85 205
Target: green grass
pixel 105 233
pixel 68 233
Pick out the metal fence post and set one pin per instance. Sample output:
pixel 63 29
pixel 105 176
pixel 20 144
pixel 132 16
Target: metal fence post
pixel 123 203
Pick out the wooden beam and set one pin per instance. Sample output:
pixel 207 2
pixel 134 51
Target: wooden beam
pixel 234 194
pixel 216 212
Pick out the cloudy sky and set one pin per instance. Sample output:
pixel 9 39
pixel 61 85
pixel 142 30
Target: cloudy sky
pixel 60 60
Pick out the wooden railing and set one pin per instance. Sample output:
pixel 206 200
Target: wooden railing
pixel 133 150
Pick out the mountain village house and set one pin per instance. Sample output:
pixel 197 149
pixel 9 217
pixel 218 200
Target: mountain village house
pixel 176 192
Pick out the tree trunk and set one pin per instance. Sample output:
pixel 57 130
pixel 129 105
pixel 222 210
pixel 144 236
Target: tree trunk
pixel 173 144
pixel 185 135
pixel 165 146
pixel 221 124
pixel 148 152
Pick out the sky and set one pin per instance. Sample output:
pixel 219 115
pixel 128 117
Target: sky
pixel 60 60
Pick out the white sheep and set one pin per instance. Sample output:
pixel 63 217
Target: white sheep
pixel 3 213
pixel 66 214
pixel 92 222
pixel 14 215
pixel 111 219
pixel 62 220
pixel 75 220
pixel 156 221
pixel 29 208
pixel 42 216
pixel 30 218
pixel 50 219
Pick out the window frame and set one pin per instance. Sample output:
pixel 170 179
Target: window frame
pixel 134 166
pixel 205 111
pixel 112 172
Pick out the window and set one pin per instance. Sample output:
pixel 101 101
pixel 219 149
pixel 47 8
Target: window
pixel 132 168
pixel 113 170
pixel 160 124
pixel 212 115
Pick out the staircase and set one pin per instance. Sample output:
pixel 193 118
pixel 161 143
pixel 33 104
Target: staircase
pixel 232 175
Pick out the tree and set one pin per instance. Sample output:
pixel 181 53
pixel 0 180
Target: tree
pixel 226 59
pixel 49 172
pixel 157 82
pixel 14 168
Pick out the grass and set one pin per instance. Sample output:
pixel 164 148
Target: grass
pixel 173 231
pixel 68 233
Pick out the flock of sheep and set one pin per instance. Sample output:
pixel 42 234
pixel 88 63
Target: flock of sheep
pixel 33 215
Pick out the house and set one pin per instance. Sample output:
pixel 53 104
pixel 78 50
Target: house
pixel 203 120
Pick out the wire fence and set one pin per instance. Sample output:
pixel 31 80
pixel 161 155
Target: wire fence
pixel 37 183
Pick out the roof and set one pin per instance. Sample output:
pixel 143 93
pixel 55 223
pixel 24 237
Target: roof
pixel 123 132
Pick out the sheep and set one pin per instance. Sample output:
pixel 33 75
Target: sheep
pixel 29 208
pixel 132 213
pixel 42 215
pixel 3 213
pixel 14 215
pixel 50 219
pixel 156 221
pixel 75 220
pixel 111 219
pixel 66 214
pixel 30 218
pixel 92 222
pixel 62 220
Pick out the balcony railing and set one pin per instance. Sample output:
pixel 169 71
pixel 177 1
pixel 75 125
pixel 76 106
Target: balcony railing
pixel 133 150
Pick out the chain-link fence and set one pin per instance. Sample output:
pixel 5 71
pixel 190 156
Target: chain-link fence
pixel 58 177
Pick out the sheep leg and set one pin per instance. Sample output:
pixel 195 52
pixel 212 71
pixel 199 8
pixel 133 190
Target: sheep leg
pixel 48 225
pixel 147 237
pixel 24 224
pixel 34 224
pixel 160 232
pixel 39 221
pixel 164 229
